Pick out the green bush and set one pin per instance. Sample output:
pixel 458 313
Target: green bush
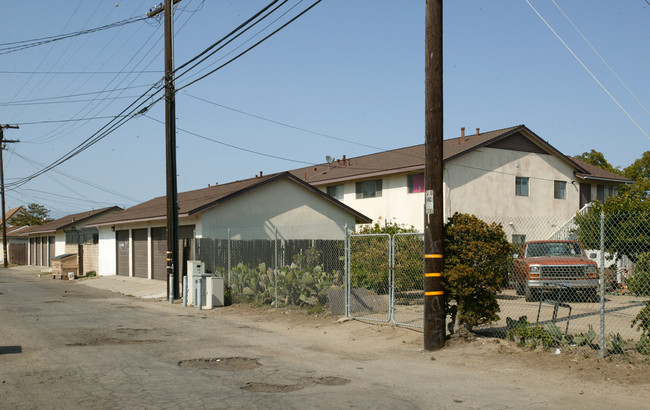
pixel 639 282
pixel 476 259
pixel 369 261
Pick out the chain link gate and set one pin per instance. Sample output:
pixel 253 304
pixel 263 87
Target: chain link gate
pixel 385 278
pixel 407 301
pixel 369 279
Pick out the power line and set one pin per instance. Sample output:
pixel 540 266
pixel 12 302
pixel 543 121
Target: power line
pixel 620 80
pixel 233 146
pixel 6 48
pixel 251 47
pixel 587 69
pixel 73 95
pixel 80 72
pixel 284 124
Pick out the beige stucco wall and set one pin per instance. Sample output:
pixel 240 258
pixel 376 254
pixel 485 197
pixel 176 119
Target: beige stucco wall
pixel 482 183
pixel 395 203
pixel 296 212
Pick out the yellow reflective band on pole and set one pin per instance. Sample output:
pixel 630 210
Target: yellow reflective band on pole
pixel 431 275
pixel 433 256
pixel 436 293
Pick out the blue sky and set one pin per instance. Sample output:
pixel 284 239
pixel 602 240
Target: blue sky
pixel 350 72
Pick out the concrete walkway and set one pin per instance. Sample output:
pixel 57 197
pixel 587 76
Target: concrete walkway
pixel 138 287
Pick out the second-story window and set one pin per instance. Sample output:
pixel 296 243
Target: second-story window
pixel 335 191
pixel 415 183
pixel 559 189
pixel 369 189
pixel 521 186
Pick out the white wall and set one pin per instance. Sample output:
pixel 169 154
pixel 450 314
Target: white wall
pixel 107 251
pixel 59 243
pixel 395 203
pixel 482 183
pixel 296 212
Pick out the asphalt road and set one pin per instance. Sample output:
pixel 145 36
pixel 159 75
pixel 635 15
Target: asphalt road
pixel 63 345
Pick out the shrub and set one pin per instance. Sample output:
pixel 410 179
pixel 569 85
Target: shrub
pixel 639 282
pixel 476 258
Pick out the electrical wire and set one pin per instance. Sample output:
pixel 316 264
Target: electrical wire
pixel 6 48
pixel 233 146
pixel 620 80
pixel 72 95
pixel 588 71
pixel 251 47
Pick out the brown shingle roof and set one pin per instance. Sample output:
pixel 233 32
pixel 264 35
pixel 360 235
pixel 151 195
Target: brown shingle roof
pixel 594 172
pixel 66 221
pixel 411 158
pixel 192 202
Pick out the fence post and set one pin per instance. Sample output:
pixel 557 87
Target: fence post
pixel 171 286
pixel 391 280
pixel 228 256
pixel 275 272
pixel 602 284
pixel 344 285
pixel 184 291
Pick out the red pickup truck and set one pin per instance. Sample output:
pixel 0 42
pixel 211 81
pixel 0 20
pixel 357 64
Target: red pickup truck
pixel 554 265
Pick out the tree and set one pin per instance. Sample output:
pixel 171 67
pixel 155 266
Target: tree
pixel 639 172
pixel 477 256
pixel 627 225
pixel 35 214
pixel 597 159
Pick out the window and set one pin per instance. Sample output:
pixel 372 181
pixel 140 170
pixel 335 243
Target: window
pixel 369 189
pixel 559 189
pixel 335 191
pixel 415 183
pixel 604 191
pixel 521 186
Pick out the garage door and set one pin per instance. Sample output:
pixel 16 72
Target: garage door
pixel 37 261
pixel 32 251
pixel 122 241
pixel 140 261
pixel 45 261
pixel 51 250
pixel 159 253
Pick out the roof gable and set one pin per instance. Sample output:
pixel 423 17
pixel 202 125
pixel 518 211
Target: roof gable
pixel 193 202
pixel 518 142
pixel 68 221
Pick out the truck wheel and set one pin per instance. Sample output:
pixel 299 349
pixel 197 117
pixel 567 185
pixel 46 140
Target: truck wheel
pixel 532 295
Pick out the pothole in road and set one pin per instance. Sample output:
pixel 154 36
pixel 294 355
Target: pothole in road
pixel 224 363
pixel 271 388
pixel 330 380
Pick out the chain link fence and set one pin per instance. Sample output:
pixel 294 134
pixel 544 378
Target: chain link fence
pixel 278 272
pixel 587 282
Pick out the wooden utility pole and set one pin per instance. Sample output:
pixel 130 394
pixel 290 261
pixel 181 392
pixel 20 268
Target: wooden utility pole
pixel 170 142
pixel 2 190
pixel 434 295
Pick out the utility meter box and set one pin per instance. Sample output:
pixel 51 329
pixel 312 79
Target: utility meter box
pixel 195 270
pixel 214 292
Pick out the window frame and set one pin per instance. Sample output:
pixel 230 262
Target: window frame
pixel 519 186
pixel 561 189
pixel 362 194
pixel 409 183
pixel 335 188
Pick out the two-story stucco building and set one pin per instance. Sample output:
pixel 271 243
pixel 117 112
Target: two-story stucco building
pixel 507 176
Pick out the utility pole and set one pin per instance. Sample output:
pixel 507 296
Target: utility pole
pixel 434 295
pixel 3 141
pixel 170 141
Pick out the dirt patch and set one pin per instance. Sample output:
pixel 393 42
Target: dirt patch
pixel 351 339
pixel 225 363
pixel 329 381
pixel 272 388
